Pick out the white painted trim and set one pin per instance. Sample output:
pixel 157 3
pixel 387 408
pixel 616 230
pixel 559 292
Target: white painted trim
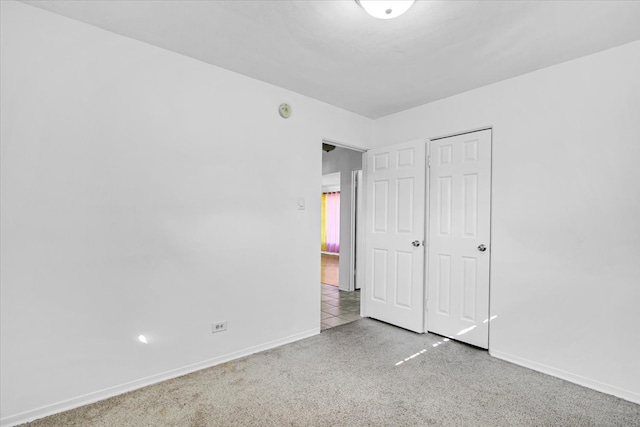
pixel 330 188
pixel 480 129
pixel 343 145
pixel 356 219
pixel 427 236
pixel 352 231
pixel 330 253
pixel 363 242
pixel 357 229
pixel 106 393
pixel 568 376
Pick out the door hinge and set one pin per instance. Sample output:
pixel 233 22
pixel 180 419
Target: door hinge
pixel 429 161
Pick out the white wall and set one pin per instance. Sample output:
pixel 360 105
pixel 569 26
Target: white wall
pixel 344 161
pixel 565 266
pixel 330 182
pixel 137 198
pixel 119 217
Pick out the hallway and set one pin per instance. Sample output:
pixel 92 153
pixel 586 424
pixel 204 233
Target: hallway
pixel 338 307
pixel 330 269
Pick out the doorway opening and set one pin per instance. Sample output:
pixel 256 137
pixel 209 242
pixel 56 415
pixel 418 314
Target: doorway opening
pixel 340 296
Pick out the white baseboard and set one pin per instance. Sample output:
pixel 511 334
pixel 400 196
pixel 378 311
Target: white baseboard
pixel 106 393
pixel 568 376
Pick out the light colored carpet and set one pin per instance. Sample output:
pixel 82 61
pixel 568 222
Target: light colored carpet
pixel 348 376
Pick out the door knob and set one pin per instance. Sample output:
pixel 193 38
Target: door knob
pixel 482 248
pixel 416 243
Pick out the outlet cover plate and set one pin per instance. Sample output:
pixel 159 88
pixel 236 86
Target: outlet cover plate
pixel 219 326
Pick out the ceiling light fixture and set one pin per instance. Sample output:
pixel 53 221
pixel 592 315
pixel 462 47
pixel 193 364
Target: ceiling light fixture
pixel 328 147
pixel 385 9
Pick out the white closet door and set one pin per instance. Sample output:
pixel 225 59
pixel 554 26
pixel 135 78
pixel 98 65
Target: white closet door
pixel 394 277
pixel 459 237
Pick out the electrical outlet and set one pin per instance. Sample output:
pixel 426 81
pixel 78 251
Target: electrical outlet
pixel 219 326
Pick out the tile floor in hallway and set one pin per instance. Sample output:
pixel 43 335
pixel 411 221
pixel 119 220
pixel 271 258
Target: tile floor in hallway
pixel 338 307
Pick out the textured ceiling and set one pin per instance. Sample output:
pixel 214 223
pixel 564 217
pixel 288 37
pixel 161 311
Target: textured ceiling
pixel 331 50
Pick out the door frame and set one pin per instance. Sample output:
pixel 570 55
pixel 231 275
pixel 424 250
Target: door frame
pixel 356 279
pixel 356 245
pixel 427 219
pixel 362 241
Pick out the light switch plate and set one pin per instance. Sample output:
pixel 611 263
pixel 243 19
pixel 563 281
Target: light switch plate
pixel 301 203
